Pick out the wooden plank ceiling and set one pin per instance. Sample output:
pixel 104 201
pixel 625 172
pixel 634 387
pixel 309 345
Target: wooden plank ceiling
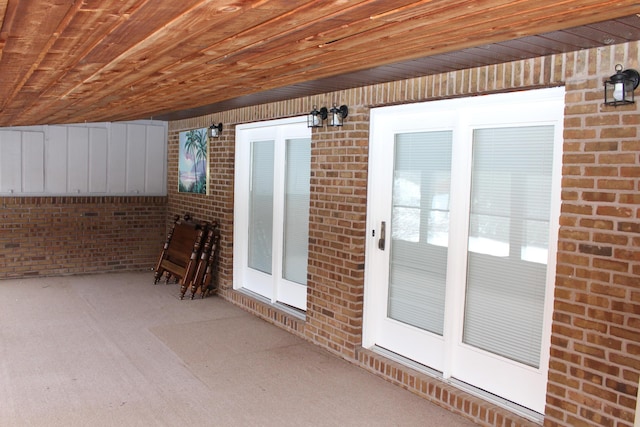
pixel 108 60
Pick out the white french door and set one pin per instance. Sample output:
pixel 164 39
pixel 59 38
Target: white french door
pixel 462 229
pixel 271 219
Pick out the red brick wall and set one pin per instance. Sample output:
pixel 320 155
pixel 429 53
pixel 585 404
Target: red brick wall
pixel 218 204
pixel 337 233
pixel 595 359
pixel 50 236
pixel 595 355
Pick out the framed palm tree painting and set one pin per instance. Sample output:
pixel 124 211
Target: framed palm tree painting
pixel 193 163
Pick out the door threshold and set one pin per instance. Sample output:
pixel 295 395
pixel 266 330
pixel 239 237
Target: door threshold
pixel 291 311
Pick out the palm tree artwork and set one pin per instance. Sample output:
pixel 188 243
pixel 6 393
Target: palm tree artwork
pixel 193 161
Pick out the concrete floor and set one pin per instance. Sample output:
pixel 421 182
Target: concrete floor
pixel 115 350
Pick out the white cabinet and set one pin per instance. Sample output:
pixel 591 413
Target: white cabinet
pixel 122 158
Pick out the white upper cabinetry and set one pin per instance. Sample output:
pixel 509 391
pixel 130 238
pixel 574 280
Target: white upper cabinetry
pixel 124 158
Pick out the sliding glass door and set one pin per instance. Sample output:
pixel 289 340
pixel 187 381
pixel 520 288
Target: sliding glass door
pixel 463 216
pixel 272 210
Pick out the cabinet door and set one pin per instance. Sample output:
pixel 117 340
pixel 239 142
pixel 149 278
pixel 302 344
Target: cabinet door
pixel 156 160
pixel 117 164
pixel 78 155
pixel 33 162
pixel 56 160
pixel 98 138
pixel 10 161
pixel 136 158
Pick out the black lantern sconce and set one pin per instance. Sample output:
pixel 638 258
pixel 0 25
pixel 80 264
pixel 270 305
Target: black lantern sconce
pixel 338 114
pixel 618 90
pixel 215 130
pixel 315 117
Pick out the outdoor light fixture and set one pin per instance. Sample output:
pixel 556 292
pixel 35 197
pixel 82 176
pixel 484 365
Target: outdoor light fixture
pixel 315 117
pixel 618 90
pixel 338 114
pixel 215 130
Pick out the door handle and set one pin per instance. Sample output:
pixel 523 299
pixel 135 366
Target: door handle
pixel 383 232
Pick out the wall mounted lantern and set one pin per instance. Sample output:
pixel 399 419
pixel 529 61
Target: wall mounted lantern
pixel 618 90
pixel 215 130
pixel 315 117
pixel 338 114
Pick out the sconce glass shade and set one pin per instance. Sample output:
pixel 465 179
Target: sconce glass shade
pixel 618 90
pixel 215 130
pixel 338 114
pixel 315 117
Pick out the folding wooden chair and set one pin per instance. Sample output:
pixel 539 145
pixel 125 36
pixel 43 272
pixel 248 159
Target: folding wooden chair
pixel 206 272
pixel 179 255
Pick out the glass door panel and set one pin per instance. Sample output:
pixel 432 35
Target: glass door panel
pixel 296 210
pixel 261 206
pixel 292 284
pixel 507 263
pixel 510 204
pixel 419 229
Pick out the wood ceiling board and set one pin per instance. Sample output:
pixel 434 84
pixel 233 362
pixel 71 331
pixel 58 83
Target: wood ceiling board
pixel 104 77
pixel 139 27
pixel 132 59
pixel 401 47
pixel 519 49
pixel 488 54
pixel 468 33
pixel 428 65
pixel 617 31
pixel 573 39
pixel 535 46
pixel 158 52
pixel 3 11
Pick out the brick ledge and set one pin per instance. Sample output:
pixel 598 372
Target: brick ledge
pixel 437 391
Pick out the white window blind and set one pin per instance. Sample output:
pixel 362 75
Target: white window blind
pixel 508 235
pixel 296 210
pixel 261 206
pixel 420 227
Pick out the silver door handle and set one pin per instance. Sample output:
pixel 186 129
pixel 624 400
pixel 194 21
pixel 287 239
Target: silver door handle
pixel 383 233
